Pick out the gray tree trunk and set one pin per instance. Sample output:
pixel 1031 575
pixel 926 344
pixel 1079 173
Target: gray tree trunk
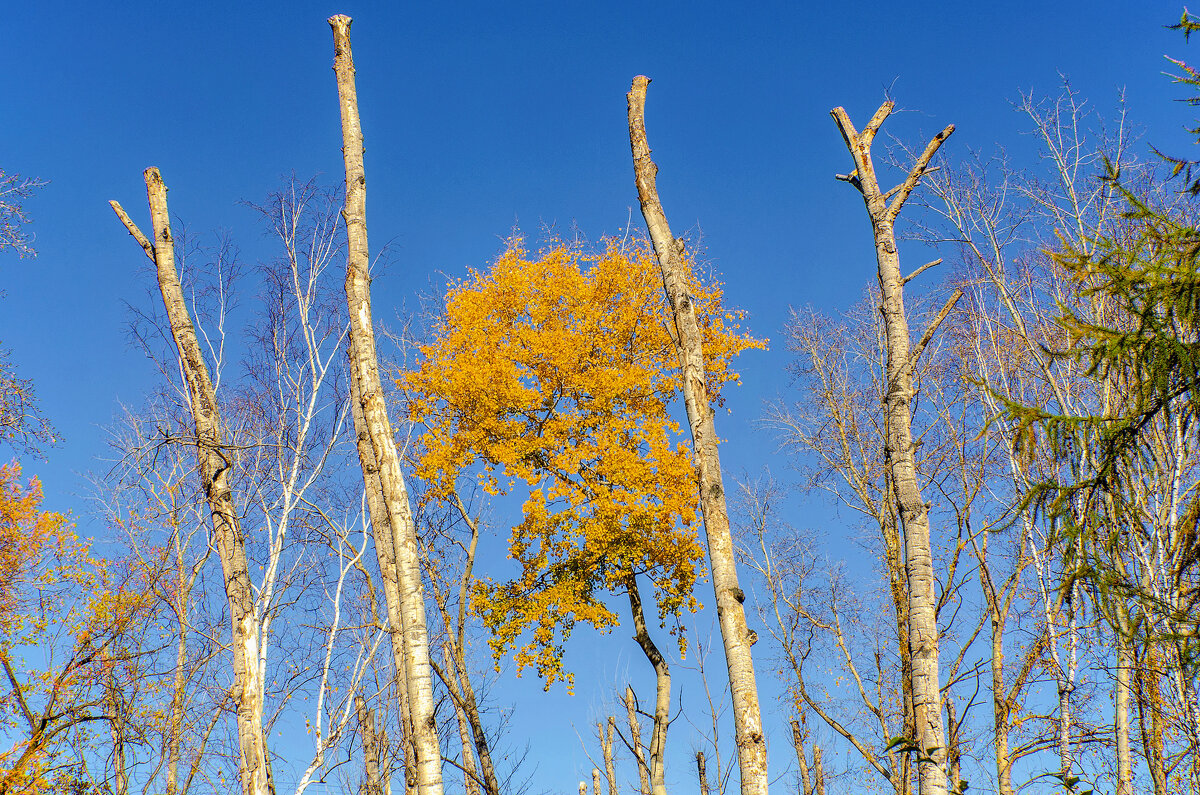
pixel 366 391
pixel 747 718
pixel 899 452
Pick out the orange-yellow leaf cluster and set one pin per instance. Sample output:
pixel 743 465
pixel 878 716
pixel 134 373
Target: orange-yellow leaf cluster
pixel 558 372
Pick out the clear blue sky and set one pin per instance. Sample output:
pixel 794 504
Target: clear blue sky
pixel 479 116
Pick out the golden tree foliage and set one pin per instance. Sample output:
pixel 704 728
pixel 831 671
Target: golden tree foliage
pixel 63 615
pixel 558 371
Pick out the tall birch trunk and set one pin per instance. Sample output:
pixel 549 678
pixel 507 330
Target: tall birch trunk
pixel 702 772
pixel 216 467
pixel 366 391
pixel 899 450
pixel 747 719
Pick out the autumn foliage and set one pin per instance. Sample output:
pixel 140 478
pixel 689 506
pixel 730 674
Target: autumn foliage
pixel 64 615
pixel 556 374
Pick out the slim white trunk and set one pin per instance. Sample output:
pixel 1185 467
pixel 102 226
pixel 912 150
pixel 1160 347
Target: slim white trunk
pixel 899 450
pixel 747 718
pixel 366 391
pixel 216 465
pixel 635 741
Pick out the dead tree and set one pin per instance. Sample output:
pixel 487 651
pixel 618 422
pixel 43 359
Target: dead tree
pixel 899 448
pixel 387 495
pixel 216 470
pixel 747 718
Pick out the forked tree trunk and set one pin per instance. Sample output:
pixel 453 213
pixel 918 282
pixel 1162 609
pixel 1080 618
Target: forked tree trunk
pixel 899 450
pixel 662 689
pixel 635 741
pixel 366 391
pixel 216 468
pixel 747 719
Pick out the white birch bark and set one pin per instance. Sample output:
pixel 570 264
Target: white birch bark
pixel 215 465
pixel 747 718
pixel 367 392
pixel 898 449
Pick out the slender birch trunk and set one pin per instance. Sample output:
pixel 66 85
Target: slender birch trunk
pixel 662 689
pixel 610 768
pixel 470 772
pixel 899 450
pixel 216 467
pixel 1147 691
pixel 702 772
pixel 747 719
pixel 595 781
pixel 372 773
pixel 635 741
pixel 366 391
pixel 1121 719
pixel 116 724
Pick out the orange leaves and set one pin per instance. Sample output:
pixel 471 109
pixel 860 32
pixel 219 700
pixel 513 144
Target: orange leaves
pixel 27 534
pixel 557 372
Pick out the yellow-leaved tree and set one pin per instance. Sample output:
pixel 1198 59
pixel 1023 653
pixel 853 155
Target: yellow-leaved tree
pixel 63 617
pixel 553 376
pixel 557 371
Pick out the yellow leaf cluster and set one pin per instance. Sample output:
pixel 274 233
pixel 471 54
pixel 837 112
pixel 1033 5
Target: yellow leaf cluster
pixel 557 371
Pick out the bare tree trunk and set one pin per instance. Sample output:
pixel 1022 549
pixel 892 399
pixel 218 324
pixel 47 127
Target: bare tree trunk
pixel 116 723
pixel 366 391
pixel 635 741
pixel 899 451
pixel 595 781
pixel 662 689
pixel 470 772
pixel 1121 721
pixel 610 768
pixel 954 748
pixel 216 467
pixel 1147 689
pixel 373 779
pixel 747 719
pixel 818 772
pixel 702 772
pixel 806 784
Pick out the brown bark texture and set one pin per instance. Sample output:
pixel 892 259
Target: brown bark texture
pixel 397 549
pixel 747 718
pixel 899 450
pixel 216 466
